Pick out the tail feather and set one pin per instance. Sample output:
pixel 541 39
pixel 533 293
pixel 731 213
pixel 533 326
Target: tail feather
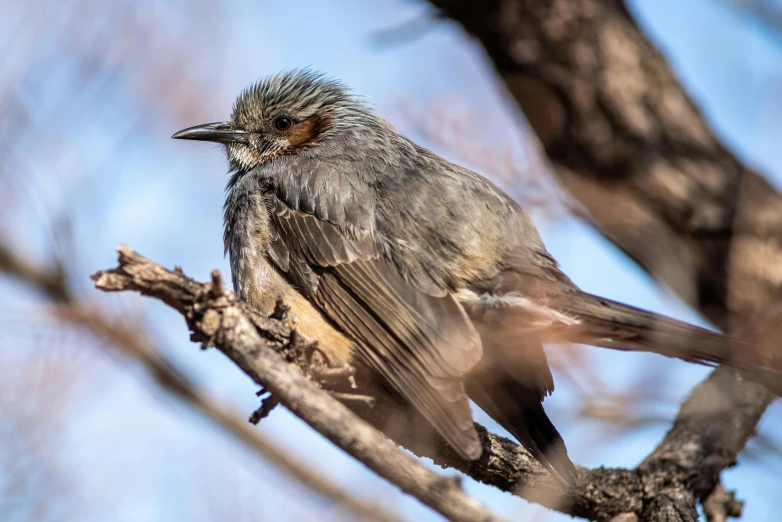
pixel 607 323
pixel 517 409
pixel 540 436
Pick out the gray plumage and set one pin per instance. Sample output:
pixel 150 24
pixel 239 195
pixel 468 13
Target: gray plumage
pixel 435 277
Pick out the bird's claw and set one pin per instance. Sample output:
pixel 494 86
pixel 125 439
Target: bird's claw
pixel 366 400
pixel 326 374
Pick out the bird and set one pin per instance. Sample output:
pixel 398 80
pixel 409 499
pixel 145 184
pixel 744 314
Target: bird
pixel 424 270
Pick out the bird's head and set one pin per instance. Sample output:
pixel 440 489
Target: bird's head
pixel 281 115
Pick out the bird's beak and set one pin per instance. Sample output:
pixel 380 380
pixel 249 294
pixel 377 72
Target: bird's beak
pixel 216 132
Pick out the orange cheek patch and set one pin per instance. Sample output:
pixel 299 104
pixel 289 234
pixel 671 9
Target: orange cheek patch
pixel 307 131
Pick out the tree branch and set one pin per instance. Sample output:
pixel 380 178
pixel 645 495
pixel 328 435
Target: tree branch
pixel 634 150
pixel 129 340
pixel 721 504
pixel 253 342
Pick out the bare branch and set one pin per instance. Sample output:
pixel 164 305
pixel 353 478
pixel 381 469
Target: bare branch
pixel 661 487
pixel 129 339
pixel 765 12
pixel 721 505
pixel 252 342
pixel 629 144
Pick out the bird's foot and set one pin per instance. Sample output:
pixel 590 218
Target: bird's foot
pixel 331 375
pixel 353 398
pixel 327 376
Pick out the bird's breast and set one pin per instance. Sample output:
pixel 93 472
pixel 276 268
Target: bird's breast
pixel 247 240
pixel 259 282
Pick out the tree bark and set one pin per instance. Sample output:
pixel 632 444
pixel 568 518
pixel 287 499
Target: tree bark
pixel 629 144
pixel 657 490
pixel 253 342
pixel 131 340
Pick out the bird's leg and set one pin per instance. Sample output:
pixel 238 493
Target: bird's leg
pixel 312 361
pixel 330 377
pixel 338 381
pixel 338 375
pixel 317 366
pixel 333 379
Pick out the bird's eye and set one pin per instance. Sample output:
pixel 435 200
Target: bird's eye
pixel 283 124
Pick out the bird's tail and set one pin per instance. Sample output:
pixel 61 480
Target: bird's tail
pixel 538 434
pixel 517 409
pixel 610 324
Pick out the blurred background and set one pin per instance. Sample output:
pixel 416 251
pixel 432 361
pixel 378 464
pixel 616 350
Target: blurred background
pixel 90 93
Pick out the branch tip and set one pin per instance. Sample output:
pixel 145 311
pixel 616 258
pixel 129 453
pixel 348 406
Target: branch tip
pixel 125 250
pixel 218 289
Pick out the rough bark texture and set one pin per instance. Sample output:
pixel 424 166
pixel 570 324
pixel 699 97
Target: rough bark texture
pixel 131 340
pixel 635 151
pixel 255 344
pixel 632 147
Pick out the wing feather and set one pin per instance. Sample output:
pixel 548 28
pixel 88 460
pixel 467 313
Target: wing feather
pixel 422 344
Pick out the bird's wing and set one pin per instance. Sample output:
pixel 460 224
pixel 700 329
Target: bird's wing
pixel 421 343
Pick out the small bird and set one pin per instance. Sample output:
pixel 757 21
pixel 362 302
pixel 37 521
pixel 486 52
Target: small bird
pixel 425 270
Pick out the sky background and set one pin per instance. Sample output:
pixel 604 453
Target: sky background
pixel 133 454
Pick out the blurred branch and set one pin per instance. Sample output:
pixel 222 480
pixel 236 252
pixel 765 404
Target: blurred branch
pixel 721 505
pixel 404 32
pixel 49 281
pixel 129 339
pixel 766 12
pixel 252 342
pixel 633 149
pixel 661 485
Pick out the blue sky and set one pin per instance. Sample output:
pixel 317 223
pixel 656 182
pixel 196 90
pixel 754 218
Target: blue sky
pixel 164 198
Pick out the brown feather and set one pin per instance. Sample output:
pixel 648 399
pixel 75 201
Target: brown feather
pixel 307 132
pixel 513 378
pixel 421 344
pixel 607 323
